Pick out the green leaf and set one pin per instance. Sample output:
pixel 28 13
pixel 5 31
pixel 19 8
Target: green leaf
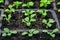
pixel 30 35
pixel 13 32
pixel 32 15
pixel 32 20
pixel 58 10
pixel 28 23
pixel 55 30
pixel 1 1
pixel 53 35
pixel 10 6
pixel 58 3
pixel 44 21
pixel 51 21
pixel 4 34
pixel 36 32
pixel 24 33
pixel 45 31
pixel 6 10
pixel 49 25
pixel 23 5
pixel 27 19
pixel 9 34
pixel 30 3
pixel 31 31
pixel 41 5
pixel 6 30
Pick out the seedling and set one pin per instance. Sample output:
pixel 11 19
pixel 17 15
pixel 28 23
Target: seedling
pixel 7 18
pixel 31 32
pixel 45 3
pixel 10 10
pixel 28 4
pixel 42 12
pixel 8 32
pixel 51 33
pixel 17 3
pixel 29 17
pixel 1 1
pixel 48 23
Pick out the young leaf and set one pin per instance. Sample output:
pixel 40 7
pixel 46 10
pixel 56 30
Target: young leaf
pixel 6 30
pixel 13 32
pixel 4 34
pixel 30 35
pixel 36 32
pixel 24 33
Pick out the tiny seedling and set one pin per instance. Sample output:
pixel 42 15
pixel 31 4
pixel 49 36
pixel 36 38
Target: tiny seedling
pixel 1 1
pixel 45 3
pixel 42 12
pixel 8 32
pixel 28 4
pixel 7 18
pixel 51 33
pixel 10 10
pixel 48 23
pixel 17 3
pixel 31 32
pixel 29 17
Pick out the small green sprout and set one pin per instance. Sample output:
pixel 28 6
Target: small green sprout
pixel 8 32
pixel 7 18
pixel 28 4
pixel 45 3
pixel 51 33
pixel 43 12
pixel 31 32
pixel 29 17
pixel 48 23
pixel 17 3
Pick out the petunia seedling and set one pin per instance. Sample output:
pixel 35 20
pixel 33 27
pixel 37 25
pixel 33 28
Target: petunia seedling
pixel 28 4
pixel 17 3
pixel 42 12
pixel 8 32
pixel 29 17
pixel 7 18
pixel 45 3
pixel 31 32
pixel 48 23
pixel 51 33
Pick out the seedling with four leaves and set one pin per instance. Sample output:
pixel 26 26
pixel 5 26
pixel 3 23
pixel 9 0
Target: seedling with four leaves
pixel 48 22
pixel 45 3
pixel 28 4
pixel 29 17
pixel 42 12
pixel 31 32
pixel 17 3
pixel 51 33
pixel 8 32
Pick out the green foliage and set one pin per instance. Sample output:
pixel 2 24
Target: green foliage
pixel 42 12
pixel 28 4
pixel 29 17
pixel 8 32
pixel 51 33
pixel 45 3
pixel 1 1
pixel 48 23
pixel 17 3
pixel 58 10
pixel 7 17
pixel 31 32
pixel 58 3
pixel 10 10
